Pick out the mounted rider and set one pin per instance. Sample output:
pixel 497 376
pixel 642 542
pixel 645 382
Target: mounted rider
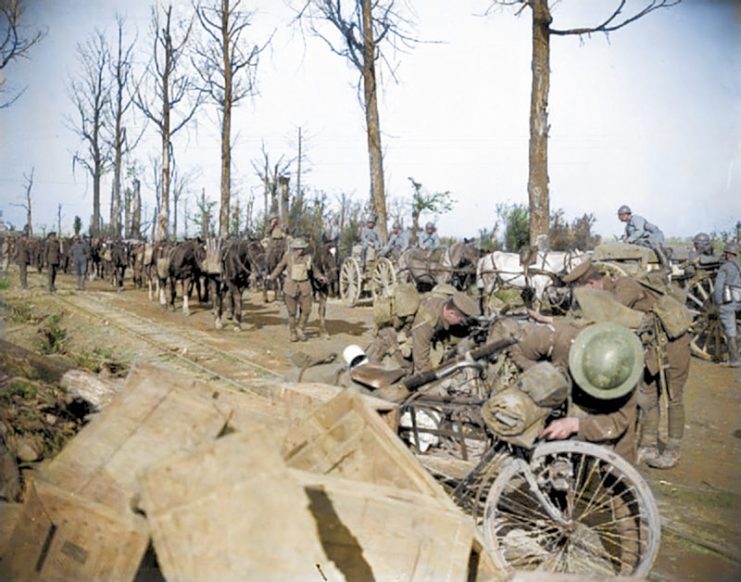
pixel 429 239
pixel 398 241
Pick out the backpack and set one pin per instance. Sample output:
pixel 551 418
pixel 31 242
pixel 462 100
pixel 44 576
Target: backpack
pixel 401 304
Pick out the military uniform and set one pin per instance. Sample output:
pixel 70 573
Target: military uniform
pixel 396 244
pixel 53 256
pixel 297 289
pixel 22 259
pixel 729 274
pixel 610 422
pixel 639 231
pixel 429 240
pixel 80 253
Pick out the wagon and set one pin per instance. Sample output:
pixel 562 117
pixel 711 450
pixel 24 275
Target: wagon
pixel 695 278
pixel 357 283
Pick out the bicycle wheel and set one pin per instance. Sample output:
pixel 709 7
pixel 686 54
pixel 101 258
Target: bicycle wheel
pixel 576 508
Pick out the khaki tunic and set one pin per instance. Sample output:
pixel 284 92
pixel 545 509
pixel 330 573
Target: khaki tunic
pixel 22 252
pixel 53 252
pixel 297 287
pixel 608 422
pixel 429 329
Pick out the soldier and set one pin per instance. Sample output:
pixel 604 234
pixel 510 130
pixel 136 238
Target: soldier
pixel 52 255
pixel 80 254
pixel 638 230
pixel 297 289
pixel 429 238
pixel 667 362
pixel 727 295
pixel 439 319
pixel 369 239
pixel 23 258
pixel 702 246
pixel 274 231
pixel 604 398
pixel 398 242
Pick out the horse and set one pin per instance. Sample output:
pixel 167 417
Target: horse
pixel 274 252
pixel 324 256
pixel 118 262
pixel 181 263
pixel 239 258
pixel 533 273
pixel 442 265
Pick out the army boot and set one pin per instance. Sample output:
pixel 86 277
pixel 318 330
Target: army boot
pixel 733 359
pixel 648 449
pixel 647 452
pixel 301 329
pixel 292 329
pixel 669 457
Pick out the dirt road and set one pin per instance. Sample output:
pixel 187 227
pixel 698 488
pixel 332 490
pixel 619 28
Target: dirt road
pixel 699 500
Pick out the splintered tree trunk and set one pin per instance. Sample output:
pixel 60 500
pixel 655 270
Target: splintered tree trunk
pixel 283 184
pixel 375 154
pixel 226 151
pixel 116 194
pixel 537 186
pixel 136 210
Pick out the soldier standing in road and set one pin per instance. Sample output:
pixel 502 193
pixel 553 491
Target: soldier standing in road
pixel 429 239
pixel 80 254
pixel 727 295
pixel 297 289
pixel 53 257
pixel 23 258
pixel 667 363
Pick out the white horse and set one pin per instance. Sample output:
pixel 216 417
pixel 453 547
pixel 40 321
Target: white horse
pixel 500 270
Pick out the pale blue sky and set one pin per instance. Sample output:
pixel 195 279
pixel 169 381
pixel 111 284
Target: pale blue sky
pixel 650 117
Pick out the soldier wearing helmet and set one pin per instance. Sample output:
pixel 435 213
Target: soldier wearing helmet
pixel 727 295
pixel 398 242
pixel 297 288
pixel 602 363
pixel 702 246
pixel 274 231
pixel 667 358
pixel 370 240
pixel 639 231
pixel 429 239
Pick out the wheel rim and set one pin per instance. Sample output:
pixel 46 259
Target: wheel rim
pixel 383 278
pixel 708 340
pixel 350 282
pixel 611 524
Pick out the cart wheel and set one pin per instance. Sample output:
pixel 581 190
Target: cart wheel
pixel 575 508
pixel 383 278
pixel 708 340
pixel 350 281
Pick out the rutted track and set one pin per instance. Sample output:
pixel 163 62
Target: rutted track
pixel 190 348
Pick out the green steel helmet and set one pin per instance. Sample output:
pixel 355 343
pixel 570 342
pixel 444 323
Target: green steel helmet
pixel 299 243
pixel 606 360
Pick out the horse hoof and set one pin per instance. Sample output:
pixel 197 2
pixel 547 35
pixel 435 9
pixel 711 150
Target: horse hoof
pixel 237 328
pixel 218 324
pixel 186 313
pixel 325 335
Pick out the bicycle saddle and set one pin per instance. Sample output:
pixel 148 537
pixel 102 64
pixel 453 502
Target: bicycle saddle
pixel 375 376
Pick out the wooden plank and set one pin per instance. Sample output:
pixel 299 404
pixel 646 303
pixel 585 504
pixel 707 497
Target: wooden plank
pixel 229 511
pixel 347 438
pixel 155 415
pixel 61 537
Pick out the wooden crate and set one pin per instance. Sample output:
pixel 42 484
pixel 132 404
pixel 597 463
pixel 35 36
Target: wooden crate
pixel 61 537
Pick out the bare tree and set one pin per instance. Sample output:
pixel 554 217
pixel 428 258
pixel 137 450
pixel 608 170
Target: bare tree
pixel 120 65
pixel 27 205
pixel 228 75
pixel 366 28
pixel 16 42
pixel 537 186
pixel 270 174
pixel 90 94
pixel 167 87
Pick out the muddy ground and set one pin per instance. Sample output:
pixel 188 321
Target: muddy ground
pixel 699 500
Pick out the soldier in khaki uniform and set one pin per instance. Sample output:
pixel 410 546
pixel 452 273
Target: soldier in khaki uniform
pixel 599 417
pixel 664 353
pixel 53 256
pixel 297 289
pixel 23 258
pixel 439 319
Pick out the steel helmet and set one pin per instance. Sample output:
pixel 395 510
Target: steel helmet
pixel 702 238
pixel 624 209
pixel 354 356
pixel 299 243
pixel 371 218
pixel 430 225
pixel 396 226
pixel 606 360
pixel 731 248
